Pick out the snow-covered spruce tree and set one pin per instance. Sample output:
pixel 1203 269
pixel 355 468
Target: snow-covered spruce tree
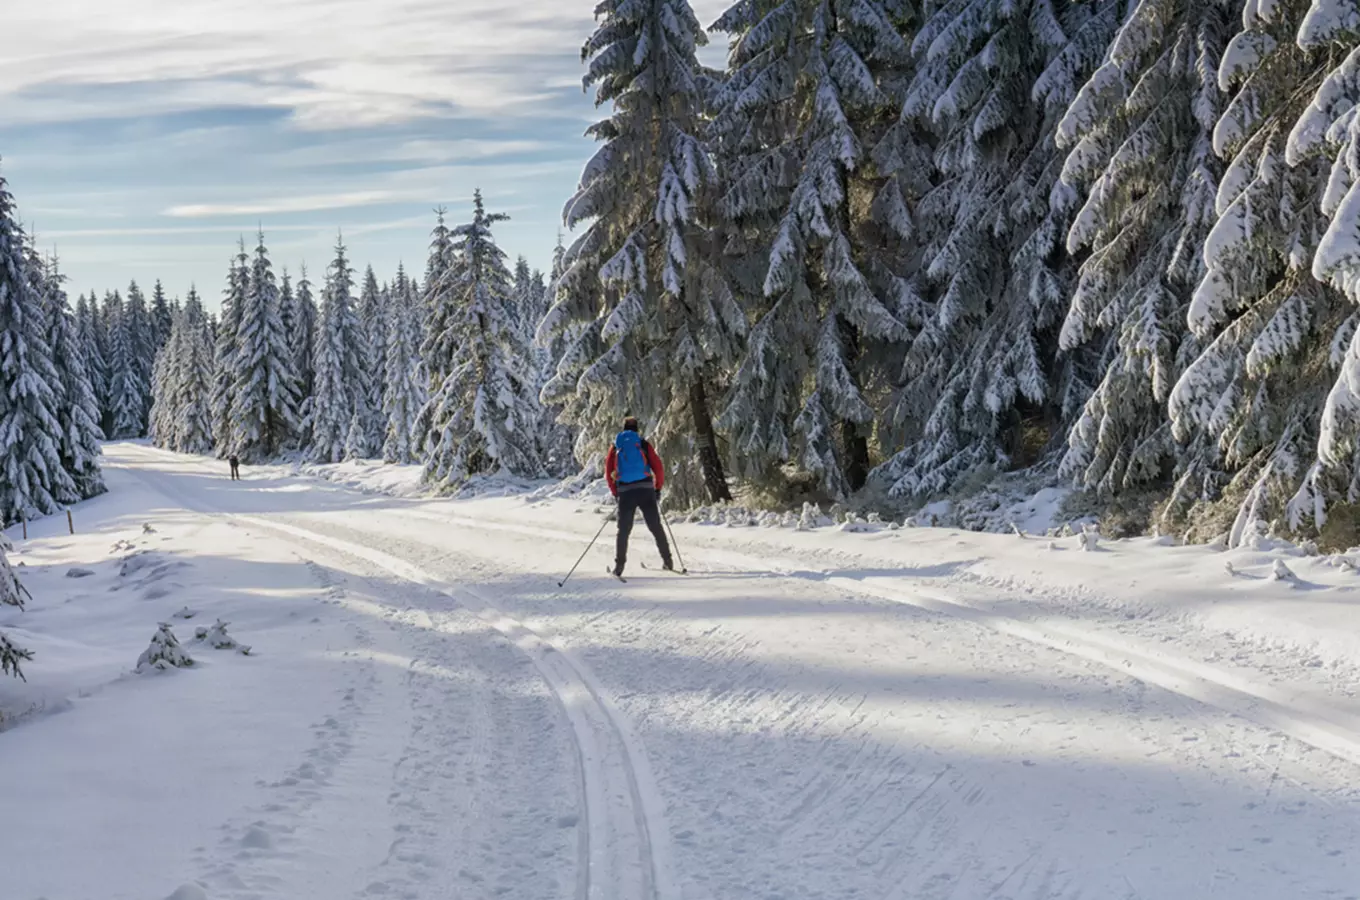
pixel 127 390
pixel 288 311
pixel 982 387
pixel 373 333
pixel 560 374
pixel 337 398
pixel 224 356
pixel 1273 335
pixel 662 322
pixel 181 413
pixel 160 424
pixel 45 281
pixel 818 175
pixel 1327 133
pixel 406 382
pixel 160 316
pixel 302 337
pixel 441 311
pixel 291 315
pixel 106 326
pixel 87 326
pixel 263 402
pixel 528 294
pixel 12 593
pixel 139 330
pixel 193 378
pixel 531 305
pixel 1140 163
pixel 31 475
pixel 165 391
pixel 76 409
pixel 356 439
pixel 482 416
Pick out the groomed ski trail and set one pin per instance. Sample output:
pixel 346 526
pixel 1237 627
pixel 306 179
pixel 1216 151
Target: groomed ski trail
pixel 623 852
pixel 1316 724
pixel 816 737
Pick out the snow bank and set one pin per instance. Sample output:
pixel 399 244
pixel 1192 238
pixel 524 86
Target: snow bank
pixel 227 733
pixel 370 476
pixel 376 477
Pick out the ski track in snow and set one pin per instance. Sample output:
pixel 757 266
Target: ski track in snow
pixel 1331 730
pixel 908 745
pixel 622 854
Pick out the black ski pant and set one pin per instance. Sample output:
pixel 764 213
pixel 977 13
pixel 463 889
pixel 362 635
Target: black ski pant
pixel 630 502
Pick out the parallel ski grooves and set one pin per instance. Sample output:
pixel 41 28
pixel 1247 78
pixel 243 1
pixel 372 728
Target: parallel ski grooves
pixel 616 871
pixel 624 851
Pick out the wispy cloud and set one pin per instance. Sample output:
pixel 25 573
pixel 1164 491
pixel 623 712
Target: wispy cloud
pixel 173 232
pixel 135 131
pixel 332 64
pixel 284 205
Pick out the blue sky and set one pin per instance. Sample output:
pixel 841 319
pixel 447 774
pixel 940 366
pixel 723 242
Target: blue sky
pixel 142 137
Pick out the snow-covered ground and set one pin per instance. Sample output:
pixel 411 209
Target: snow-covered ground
pixel 914 713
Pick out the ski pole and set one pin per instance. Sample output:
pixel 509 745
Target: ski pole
pixel 607 520
pixel 678 558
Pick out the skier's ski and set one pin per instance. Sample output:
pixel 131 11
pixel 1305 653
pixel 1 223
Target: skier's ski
pixel 670 571
pixel 617 575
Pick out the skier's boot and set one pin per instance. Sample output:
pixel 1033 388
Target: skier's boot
pixel 668 565
pixel 618 570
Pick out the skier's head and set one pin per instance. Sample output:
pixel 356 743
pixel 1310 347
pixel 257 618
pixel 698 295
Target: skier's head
pixel 630 423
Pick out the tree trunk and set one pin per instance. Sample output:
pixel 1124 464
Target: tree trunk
pixel 856 444
pixel 856 455
pixel 709 460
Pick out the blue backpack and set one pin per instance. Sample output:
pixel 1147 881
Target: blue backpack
pixel 632 459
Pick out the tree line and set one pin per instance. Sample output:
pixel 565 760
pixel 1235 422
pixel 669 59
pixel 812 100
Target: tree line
pixel 49 411
pixel 439 370
pixel 898 248
pixel 887 250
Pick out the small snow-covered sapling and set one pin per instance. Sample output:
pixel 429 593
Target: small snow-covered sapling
pixel 1089 538
pixel 217 638
pixel 1281 572
pixel 164 652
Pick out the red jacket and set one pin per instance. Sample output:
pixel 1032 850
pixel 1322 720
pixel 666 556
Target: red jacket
pixel 611 468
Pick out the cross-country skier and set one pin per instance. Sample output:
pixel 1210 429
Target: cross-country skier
pixel 235 467
pixel 636 476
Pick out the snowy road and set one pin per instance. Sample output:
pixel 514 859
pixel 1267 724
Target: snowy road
pixel 738 733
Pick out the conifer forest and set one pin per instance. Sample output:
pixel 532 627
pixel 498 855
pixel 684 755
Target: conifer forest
pixel 890 252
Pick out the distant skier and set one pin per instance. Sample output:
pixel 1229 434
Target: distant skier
pixel 235 467
pixel 636 476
